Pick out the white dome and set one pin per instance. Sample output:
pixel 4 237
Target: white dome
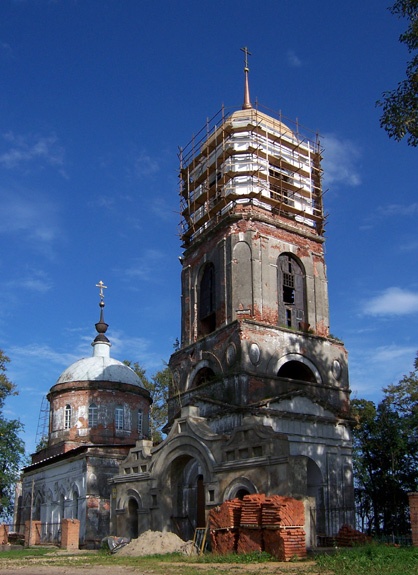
pixel 99 368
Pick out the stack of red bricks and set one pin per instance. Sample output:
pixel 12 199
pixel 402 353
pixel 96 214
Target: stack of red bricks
pixel 347 537
pixel 224 521
pixel 283 519
pixel 259 523
pixel 250 535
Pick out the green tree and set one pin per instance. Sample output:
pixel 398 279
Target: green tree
pixel 400 106
pixel 158 386
pixel 386 456
pixel 12 448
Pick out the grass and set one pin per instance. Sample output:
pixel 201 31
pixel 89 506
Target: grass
pixel 371 559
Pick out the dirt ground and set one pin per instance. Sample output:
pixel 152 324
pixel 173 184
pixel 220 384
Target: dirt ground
pixel 47 566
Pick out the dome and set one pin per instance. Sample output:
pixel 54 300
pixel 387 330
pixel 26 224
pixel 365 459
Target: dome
pixel 99 368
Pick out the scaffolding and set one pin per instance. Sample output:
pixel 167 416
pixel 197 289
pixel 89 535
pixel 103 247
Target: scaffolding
pixel 43 423
pixel 249 158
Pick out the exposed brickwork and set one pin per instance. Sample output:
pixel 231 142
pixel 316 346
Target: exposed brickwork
pixel 4 534
pixel 259 523
pixel 106 396
pixel 32 533
pixel 413 511
pixel 70 534
pixel 348 537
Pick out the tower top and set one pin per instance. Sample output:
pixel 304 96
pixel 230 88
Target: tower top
pixel 247 102
pixel 101 326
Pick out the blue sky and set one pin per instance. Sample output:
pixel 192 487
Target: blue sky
pixel 96 97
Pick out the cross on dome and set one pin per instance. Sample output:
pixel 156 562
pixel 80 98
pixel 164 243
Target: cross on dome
pixel 102 287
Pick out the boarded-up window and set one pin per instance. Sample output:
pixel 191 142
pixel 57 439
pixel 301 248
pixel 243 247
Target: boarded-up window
pixel 291 292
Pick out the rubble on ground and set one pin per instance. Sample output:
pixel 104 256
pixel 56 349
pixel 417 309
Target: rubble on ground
pixel 157 543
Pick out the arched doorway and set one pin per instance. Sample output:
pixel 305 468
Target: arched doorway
pixel 315 489
pixel 188 496
pixel 132 520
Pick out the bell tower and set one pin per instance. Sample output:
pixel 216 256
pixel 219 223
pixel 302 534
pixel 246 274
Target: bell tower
pixel 256 350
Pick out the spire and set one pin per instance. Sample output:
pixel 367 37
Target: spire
pixel 101 344
pixel 247 103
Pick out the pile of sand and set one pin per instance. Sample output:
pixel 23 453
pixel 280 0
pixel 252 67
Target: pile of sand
pixel 157 543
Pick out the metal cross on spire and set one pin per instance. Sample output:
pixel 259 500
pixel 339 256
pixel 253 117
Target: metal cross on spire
pixel 102 287
pixel 247 102
pixel 247 53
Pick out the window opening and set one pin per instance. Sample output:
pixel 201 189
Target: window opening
pixel 93 415
pixel 140 420
pixel 297 370
pixel 207 313
pixel 291 292
pixel 67 417
pixel 119 417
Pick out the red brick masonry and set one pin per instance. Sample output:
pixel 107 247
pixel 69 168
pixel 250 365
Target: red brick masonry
pixel 70 534
pixel 259 523
pixel 413 511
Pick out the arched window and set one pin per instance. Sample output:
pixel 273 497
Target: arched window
pixel 62 506
pixel 119 417
pixel 207 301
pixel 67 416
pixel 297 370
pixel 140 422
pixel 291 292
pixel 75 505
pixel 93 415
pixel 203 376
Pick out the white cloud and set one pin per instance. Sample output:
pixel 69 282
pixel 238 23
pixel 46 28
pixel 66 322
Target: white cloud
pixel 163 210
pixel 145 268
pixel 293 60
pixel 33 280
pixel 340 161
pixel 410 246
pixel 145 165
pixel 24 149
pixel 28 213
pixel 41 353
pixel 390 353
pixel 392 210
pixel 6 52
pixel 392 301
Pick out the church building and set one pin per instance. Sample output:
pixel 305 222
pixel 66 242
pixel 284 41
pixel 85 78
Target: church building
pixel 98 411
pixel 259 400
